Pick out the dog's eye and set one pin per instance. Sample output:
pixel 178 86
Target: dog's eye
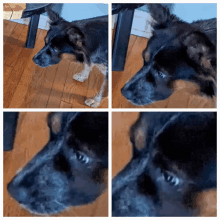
pixel 55 50
pixel 82 158
pixel 170 179
pixel 161 74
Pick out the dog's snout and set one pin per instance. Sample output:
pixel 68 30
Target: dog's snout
pixel 18 193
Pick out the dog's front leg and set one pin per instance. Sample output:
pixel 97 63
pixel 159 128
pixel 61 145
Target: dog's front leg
pixel 96 100
pixel 82 76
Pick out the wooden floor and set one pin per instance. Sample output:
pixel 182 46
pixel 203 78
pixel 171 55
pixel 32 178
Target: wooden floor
pixel 31 135
pixel 122 152
pixel 184 96
pixel 28 86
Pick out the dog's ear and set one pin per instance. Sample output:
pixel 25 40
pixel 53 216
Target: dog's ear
pixel 58 121
pixel 76 36
pixel 147 127
pixel 160 14
pixel 200 49
pixel 53 16
pixel 203 53
pixel 139 133
pixel 54 121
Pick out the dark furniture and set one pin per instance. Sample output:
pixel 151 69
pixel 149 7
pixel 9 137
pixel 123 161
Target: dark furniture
pixel 33 11
pixel 122 33
pixel 9 125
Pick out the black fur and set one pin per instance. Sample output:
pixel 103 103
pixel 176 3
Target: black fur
pixel 70 169
pixel 174 158
pixel 176 50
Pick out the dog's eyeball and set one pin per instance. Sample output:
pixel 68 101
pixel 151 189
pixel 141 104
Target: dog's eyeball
pixel 55 50
pixel 82 158
pixel 161 75
pixel 171 179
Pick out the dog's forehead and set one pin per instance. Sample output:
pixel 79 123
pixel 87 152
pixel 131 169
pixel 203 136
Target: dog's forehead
pixel 54 32
pixel 191 140
pixel 164 37
pixel 90 129
pixel 157 44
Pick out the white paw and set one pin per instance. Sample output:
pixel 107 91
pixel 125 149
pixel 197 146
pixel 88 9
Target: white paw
pixel 80 77
pixel 93 102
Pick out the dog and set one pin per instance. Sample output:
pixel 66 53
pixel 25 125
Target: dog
pixel 177 50
pixel 86 40
pixel 70 170
pixel 174 159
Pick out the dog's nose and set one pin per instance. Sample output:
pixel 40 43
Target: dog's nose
pixel 18 193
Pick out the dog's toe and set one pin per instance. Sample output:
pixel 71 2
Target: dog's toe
pixel 92 102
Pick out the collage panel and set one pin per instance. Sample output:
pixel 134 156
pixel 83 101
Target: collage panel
pixel 164 164
pixel 47 61
pixel 164 55
pixel 55 164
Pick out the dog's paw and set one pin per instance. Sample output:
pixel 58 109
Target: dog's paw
pixel 80 77
pixel 93 102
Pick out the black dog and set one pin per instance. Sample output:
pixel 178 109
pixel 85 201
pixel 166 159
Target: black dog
pixel 70 170
pixel 174 159
pixel 176 50
pixel 86 40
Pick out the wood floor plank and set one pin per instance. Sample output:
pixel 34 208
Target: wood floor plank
pixel 31 69
pixel 21 45
pixel 8 28
pixel 15 45
pixel 65 105
pixel 58 85
pixel 15 76
pixel 42 94
pixel 6 74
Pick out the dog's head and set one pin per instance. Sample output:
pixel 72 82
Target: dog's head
pixel 63 37
pixel 176 50
pixel 174 159
pixel 70 170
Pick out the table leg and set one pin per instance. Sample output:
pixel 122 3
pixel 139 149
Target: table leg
pixel 32 31
pixel 122 35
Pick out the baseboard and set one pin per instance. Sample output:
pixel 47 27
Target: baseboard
pixel 141 24
pixel 43 22
pixel 140 27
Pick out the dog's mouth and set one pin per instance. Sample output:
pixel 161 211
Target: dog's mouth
pixel 134 99
pixel 44 207
pixel 40 63
pixel 45 61
pixel 43 210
